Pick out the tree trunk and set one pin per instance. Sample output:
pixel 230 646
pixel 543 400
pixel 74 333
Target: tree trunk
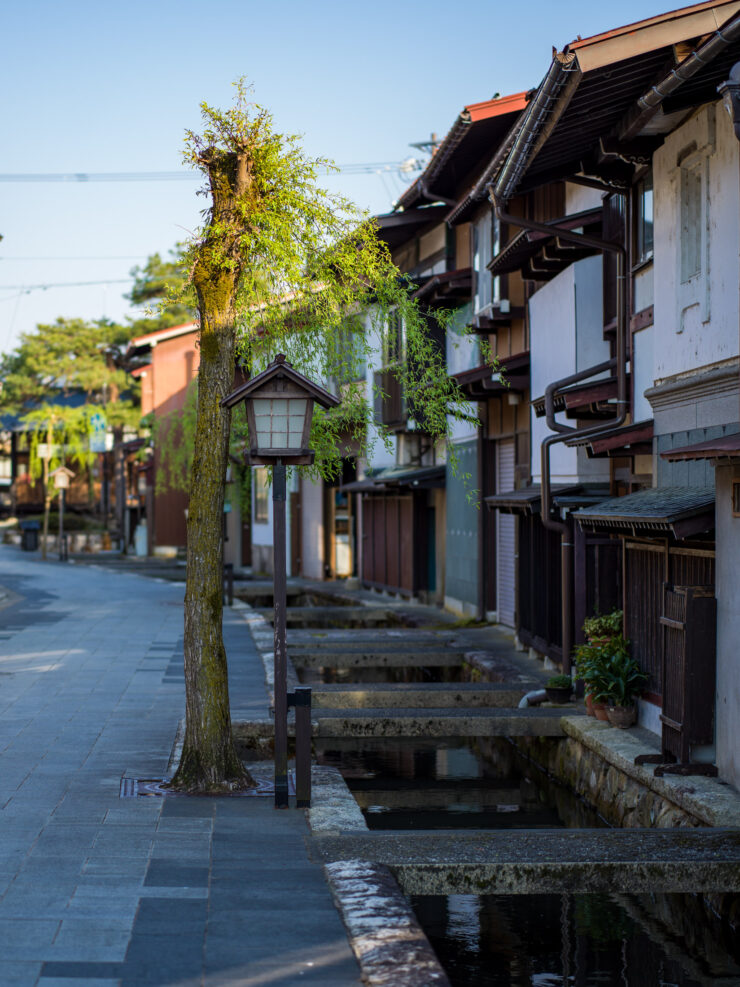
pixel 209 759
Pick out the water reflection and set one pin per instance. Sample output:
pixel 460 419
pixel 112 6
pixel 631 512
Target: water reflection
pixel 412 783
pixel 584 940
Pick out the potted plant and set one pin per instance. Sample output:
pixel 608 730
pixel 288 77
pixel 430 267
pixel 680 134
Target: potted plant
pixel 592 661
pixel 559 688
pixel 624 682
pixel 600 628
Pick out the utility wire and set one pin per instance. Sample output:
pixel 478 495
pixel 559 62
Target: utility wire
pixel 25 288
pixel 361 168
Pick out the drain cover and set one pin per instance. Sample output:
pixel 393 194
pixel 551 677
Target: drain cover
pixel 132 788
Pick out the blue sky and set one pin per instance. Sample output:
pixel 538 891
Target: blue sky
pixel 91 87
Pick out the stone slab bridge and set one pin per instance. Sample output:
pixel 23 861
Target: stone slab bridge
pixel 547 861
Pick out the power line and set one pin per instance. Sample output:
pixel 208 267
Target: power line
pixel 357 168
pixel 25 288
pixel 98 257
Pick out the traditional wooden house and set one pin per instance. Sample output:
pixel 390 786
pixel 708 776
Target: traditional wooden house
pixel 422 534
pixel 166 364
pixel 635 353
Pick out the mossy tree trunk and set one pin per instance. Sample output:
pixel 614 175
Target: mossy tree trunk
pixel 209 759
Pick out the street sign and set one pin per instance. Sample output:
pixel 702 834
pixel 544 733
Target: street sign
pixel 98 439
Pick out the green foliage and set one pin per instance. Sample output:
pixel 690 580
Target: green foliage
pixel 603 625
pixel 58 378
pixel 69 356
pixel 559 682
pixel 174 439
pixel 161 285
pixel 315 282
pixel 609 672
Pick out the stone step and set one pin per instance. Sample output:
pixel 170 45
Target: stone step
pixel 431 658
pixel 409 694
pixel 548 861
pixel 415 799
pixel 432 722
pixel 332 616
pixel 378 637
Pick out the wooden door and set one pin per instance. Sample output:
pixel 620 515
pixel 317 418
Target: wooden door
pixel 506 537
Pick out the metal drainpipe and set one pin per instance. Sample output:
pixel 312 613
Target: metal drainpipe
pixel 435 196
pixel 567 431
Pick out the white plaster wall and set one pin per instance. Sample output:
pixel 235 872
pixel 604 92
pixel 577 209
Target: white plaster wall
pixel 378 455
pixel 696 323
pixel 579 198
pixel 728 630
pixel 312 528
pixel 553 355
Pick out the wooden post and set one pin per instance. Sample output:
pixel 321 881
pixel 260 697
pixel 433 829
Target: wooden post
pixel 281 654
pixel 302 703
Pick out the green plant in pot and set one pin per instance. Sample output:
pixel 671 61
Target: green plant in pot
pixel 559 688
pixel 624 681
pixel 592 662
pixel 602 627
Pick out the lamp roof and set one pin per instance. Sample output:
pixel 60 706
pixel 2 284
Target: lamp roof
pixel 280 368
pixel 62 471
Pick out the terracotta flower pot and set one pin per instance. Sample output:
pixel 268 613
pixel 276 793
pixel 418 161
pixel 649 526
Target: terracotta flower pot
pixel 558 695
pixel 622 716
pixel 600 712
pixel 589 704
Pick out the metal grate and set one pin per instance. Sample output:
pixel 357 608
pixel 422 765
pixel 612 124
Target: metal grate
pixel 157 788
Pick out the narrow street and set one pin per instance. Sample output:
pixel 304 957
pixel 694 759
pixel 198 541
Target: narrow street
pixel 102 890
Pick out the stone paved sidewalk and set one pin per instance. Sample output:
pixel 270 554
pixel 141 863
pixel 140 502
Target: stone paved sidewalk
pixel 97 890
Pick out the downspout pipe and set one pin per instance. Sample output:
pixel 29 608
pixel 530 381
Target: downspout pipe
pixel 650 102
pixel 435 196
pixel 564 432
pixel 721 39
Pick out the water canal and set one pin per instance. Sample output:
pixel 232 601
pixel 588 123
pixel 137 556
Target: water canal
pixel 403 784
pixel 584 940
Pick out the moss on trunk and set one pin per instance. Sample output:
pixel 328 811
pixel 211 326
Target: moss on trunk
pixel 209 759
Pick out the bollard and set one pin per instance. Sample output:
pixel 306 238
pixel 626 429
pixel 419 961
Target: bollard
pixel 229 583
pixel 301 699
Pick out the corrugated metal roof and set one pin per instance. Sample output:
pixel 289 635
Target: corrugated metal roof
pixel 679 510
pixel 724 447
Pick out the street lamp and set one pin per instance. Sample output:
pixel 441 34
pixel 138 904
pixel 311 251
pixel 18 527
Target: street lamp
pixel 279 404
pixel 62 477
pixel 730 93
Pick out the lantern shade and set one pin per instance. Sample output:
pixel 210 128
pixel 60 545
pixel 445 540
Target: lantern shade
pixel 62 476
pixel 279 404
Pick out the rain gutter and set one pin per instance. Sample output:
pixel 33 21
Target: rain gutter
pixel 649 104
pixel 542 114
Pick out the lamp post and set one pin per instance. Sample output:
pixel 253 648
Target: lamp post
pixel 279 404
pixel 62 477
pixel 730 93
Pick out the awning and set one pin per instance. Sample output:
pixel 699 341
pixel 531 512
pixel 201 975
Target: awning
pixel 528 500
pixel 680 511
pixel 481 383
pixel 539 257
pixel 447 287
pixel 422 477
pixel 589 401
pixel 633 439
pixel 723 447
pixel 396 228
